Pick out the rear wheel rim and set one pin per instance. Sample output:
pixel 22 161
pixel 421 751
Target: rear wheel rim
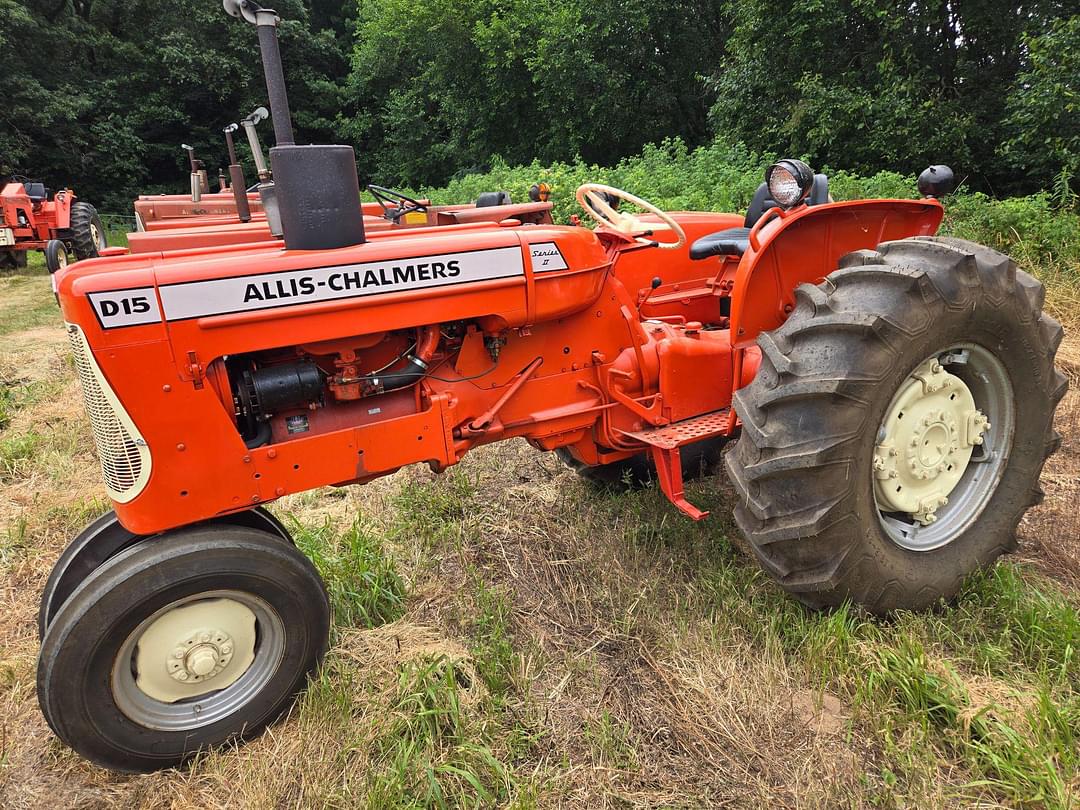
pixel 222 693
pixel 987 380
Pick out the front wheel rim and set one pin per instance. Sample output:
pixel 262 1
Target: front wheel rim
pixel 982 375
pixel 214 689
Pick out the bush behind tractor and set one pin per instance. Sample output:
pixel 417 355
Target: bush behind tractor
pixel 886 397
pixel 34 218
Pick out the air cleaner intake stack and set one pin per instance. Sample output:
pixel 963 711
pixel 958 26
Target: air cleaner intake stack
pixel 317 188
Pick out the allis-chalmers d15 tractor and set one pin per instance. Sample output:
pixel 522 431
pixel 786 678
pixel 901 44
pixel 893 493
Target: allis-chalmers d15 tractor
pixel 32 218
pixel 889 396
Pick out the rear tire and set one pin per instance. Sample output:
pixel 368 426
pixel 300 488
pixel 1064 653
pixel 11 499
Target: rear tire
pixel 803 466
pixel 12 259
pixel 87 232
pixel 108 683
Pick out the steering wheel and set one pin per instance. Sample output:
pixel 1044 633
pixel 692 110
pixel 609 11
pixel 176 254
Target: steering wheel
pixel 394 204
pixel 589 197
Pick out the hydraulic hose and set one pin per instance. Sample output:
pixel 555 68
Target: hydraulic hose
pixel 416 364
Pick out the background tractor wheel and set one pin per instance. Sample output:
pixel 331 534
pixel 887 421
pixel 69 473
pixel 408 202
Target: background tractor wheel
pixel 55 256
pixel 838 496
pixel 182 644
pixel 698 459
pixel 12 259
pixel 87 232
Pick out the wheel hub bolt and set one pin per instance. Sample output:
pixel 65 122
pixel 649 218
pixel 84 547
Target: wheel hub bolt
pixel 201 656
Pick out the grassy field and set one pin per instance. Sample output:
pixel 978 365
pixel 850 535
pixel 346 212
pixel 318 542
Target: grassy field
pixel 506 636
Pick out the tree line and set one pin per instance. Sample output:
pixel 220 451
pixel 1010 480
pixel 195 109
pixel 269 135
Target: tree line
pixel 99 94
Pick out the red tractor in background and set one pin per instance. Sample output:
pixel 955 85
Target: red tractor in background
pixel 33 218
pixel 887 397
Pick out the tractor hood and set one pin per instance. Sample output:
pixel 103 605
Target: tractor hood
pixel 510 276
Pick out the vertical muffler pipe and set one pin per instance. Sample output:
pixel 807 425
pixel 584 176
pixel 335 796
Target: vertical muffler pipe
pixel 236 177
pixel 318 190
pixel 196 181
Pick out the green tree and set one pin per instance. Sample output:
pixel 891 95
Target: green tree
pixel 102 92
pixel 440 87
pixel 1044 106
pixel 869 84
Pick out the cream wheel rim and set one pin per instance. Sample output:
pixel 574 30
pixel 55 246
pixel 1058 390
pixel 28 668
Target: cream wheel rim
pixel 942 446
pixel 198 660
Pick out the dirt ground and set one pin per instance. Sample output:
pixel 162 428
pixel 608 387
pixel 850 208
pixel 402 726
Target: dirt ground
pixel 607 655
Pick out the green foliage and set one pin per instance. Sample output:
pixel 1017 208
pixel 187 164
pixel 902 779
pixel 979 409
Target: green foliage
pixel 436 753
pixel 443 86
pixel 364 585
pixel 870 85
pixel 1044 110
pixel 98 94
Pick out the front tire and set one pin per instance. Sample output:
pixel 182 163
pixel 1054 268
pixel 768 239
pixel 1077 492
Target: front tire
pixel 819 418
pixel 182 643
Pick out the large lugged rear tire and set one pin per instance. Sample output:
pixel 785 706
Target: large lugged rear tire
pixel 816 419
pixel 87 232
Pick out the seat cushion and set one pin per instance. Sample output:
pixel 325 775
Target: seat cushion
pixel 730 242
pixel 36 191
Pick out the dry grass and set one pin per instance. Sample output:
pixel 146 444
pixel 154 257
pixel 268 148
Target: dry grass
pixel 581 650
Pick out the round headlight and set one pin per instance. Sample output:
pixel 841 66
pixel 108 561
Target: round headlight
pixel 789 181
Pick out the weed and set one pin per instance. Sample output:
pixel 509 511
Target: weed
pixel 16 455
pixel 364 585
pixel 433 511
pixel 435 754
pixel 492 649
pixel 609 741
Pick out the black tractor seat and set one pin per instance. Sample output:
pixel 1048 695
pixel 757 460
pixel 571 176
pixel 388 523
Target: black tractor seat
pixel 729 242
pixel 736 241
pixel 36 192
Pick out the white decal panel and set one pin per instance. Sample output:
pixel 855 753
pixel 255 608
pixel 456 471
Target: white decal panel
pixel 133 307
pixel 546 256
pixel 222 296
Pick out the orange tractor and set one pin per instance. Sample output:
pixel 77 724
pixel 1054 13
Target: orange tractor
pixel 887 398
pixel 34 218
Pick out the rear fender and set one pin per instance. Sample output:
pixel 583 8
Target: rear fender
pixel 805 245
pixel 59 210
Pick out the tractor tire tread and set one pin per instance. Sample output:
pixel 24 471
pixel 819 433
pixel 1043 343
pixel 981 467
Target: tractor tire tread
pixel 796 466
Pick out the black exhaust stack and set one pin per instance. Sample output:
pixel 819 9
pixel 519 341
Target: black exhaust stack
pixel 317 187
pixel 236 177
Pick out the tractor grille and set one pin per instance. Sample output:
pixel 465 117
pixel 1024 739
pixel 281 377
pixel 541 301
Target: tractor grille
pixel 122 451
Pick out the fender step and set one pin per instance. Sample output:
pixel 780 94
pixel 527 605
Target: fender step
pixel 664 443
